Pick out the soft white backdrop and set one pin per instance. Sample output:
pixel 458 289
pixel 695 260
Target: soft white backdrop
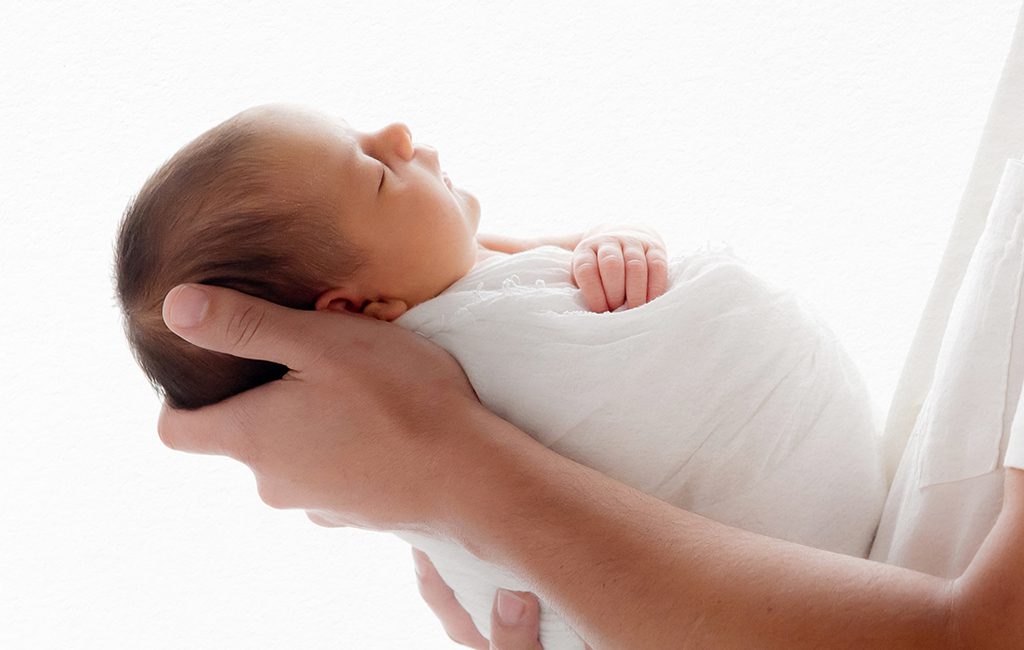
pixel 828 142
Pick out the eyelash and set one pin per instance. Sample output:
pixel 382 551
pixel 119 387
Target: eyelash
pixel 383 173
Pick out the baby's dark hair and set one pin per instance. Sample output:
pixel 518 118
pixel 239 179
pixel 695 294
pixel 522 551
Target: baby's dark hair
pixel 218 213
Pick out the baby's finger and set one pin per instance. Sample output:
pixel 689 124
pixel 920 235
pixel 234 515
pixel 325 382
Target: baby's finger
pixel 636 276
pixel 585 272
pixel 441 600
pixel 228 321
pixel 613 273
pixel 657 273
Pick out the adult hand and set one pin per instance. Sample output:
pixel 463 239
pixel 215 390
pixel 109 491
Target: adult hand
pixel 361 431
pixel 514 625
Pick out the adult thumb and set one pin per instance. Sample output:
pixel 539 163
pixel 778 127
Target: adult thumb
pixel 224 320
pixel 515 621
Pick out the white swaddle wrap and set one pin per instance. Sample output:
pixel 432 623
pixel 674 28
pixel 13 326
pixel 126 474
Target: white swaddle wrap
pixel 723 397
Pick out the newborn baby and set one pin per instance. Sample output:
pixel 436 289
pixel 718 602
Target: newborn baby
pixel 707 387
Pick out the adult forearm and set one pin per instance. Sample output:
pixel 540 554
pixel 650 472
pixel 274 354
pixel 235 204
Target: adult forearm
pixel 630 571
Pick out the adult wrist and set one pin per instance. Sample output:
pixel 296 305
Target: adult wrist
pixel 490 477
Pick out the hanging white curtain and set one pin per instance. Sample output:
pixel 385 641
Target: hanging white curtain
pixel 952 415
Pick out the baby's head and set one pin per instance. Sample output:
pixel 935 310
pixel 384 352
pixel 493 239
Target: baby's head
pixel 294 207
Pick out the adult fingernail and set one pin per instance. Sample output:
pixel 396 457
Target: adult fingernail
pixel 185 306
pixel 510 607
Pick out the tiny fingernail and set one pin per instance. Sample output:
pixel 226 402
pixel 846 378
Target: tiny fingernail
pixel 186 306
pixel 510 607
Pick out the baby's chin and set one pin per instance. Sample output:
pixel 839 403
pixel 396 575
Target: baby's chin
pixel 472 206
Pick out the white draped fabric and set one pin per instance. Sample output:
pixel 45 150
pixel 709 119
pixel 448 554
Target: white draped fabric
pixel 952 415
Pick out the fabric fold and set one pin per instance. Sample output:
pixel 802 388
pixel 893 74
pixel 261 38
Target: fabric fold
pixel 968 398
pixel 948 487
pixel 724 396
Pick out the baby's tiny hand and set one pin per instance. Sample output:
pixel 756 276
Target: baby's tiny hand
pixel 613 265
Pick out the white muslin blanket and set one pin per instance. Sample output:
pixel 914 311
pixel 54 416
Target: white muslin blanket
pixel 723 397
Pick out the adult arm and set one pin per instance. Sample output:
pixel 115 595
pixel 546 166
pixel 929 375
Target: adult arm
pixel 376 427
pixel 628 570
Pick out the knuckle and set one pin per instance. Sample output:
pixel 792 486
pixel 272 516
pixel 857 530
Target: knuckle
pixel 459 635
pixel 244 423
pixel 163 429
pixel 243 326
pixel 457 638
pixel 655 256
pixel 270 496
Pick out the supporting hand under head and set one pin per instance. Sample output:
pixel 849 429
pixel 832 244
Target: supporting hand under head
pixel 332 419
pixel 313 437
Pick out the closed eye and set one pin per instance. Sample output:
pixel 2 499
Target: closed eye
pixel 383 173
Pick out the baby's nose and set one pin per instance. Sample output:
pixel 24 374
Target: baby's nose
pixel 401 126
pixel 394 136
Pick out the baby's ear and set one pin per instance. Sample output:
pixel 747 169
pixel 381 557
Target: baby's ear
pixel 338 300
pixel 387 310
pixel 342 300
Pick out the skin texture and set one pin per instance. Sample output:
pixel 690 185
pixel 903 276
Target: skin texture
pixel 388 197
pixel 628 570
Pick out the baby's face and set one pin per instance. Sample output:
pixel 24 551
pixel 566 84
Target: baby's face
pixel 389 198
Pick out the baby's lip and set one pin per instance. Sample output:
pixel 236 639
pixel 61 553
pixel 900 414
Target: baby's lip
pixel 447 181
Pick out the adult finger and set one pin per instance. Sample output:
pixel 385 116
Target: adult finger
pixel 223 428
pixel 197 432
pixel 613 273
pixel 585 272
pixel 515 621
pixel 441 600
pixel 636 276
pixel 235 323
pixel 321 520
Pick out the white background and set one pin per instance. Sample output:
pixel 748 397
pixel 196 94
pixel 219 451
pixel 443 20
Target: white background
pixel 829 142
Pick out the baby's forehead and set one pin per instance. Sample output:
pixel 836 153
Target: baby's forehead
pixel 307 130
pixel 293 120
pixel 306 152
pixel 297 138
